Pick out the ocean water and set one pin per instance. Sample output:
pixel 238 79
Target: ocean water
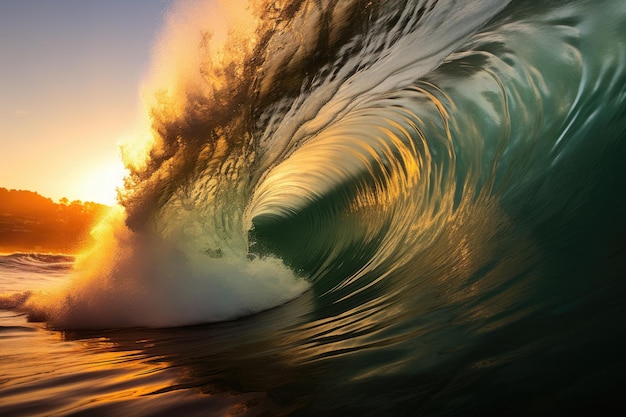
pixel 338 208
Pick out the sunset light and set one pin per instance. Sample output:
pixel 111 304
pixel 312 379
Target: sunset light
pixel 312 208
pixel 70 88
pixel 100 182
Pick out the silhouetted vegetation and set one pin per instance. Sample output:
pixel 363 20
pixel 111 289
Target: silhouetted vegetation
pixel 30 222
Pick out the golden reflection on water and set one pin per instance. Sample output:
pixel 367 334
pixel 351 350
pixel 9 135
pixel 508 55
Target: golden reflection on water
pixel 45 373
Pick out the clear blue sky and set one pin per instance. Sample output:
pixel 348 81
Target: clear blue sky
pixel 70 78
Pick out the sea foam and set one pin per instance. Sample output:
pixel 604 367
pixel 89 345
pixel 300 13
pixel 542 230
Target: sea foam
pixel 131 279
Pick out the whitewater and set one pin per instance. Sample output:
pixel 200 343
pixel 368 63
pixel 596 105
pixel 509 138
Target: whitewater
pixel 349 208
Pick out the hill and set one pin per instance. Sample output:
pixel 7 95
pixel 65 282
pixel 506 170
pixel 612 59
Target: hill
pixel 31 222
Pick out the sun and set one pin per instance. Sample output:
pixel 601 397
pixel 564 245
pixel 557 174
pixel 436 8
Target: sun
pixel 100 182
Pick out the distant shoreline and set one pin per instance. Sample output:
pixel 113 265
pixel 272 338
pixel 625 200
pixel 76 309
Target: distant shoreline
pixel 31 223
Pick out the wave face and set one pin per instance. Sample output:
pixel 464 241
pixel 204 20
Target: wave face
pixel 435 180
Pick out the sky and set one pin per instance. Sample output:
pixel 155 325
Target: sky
pixel 70 91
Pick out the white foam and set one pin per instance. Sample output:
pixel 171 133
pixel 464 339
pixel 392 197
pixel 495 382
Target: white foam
pixel 129 279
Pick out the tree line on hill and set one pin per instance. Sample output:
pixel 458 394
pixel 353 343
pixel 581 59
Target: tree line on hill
pixel 31 222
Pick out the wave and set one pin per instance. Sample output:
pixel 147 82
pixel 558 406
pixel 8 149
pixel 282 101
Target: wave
pixel 366 153
pixel 36 262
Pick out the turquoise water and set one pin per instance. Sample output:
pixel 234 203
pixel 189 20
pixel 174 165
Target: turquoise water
pixel 366 208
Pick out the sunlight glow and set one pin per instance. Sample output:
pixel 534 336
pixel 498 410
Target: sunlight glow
pixel 100 184
pixel 136 147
